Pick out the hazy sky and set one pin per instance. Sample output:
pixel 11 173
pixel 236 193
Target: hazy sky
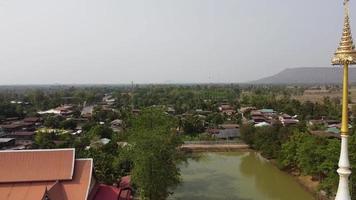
pixel 158 41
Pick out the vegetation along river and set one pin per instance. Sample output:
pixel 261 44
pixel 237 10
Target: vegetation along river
pixel 236 176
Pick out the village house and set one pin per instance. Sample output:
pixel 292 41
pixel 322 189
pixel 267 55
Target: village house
pixel 287 120
pixel 108 99
pixel 246 109
pixel 227 109
pixel 257 117
pixel 269 113
pixel 27 124
pixel 54 175
pixel 7 143
pixel 23 138
pixel 117 125
pixel 323 122
pixel 225 131
pixel 87 112
pixel 63 110
pixel 325 134
pixel 171 110
pixel 22 131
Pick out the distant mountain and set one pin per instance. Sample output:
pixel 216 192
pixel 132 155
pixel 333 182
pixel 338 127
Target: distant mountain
pixel 312 75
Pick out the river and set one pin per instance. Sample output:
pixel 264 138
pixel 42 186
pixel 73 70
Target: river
pixel 236 176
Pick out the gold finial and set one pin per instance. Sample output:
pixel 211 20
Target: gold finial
pixel 345 53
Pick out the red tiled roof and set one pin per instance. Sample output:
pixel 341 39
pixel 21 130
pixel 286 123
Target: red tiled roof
pixel 105 192
pixel 36 165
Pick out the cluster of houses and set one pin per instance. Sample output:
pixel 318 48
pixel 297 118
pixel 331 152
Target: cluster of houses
pixel 226 131
pixel 16 133
pixel 325 128
pixel 268 117
pixel 19 133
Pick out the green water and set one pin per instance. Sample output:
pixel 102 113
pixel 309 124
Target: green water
pixel 236 176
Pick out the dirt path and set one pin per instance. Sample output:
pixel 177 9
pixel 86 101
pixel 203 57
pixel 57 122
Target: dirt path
pixel 214 147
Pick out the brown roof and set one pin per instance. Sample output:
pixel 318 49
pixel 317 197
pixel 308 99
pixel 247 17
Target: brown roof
pixel 28 191
pixel 76 189
pixel 23 133
pixel 36 165
pixel 229 126
pixel 12 126
pixel 56 191
pixel 18 124
pixel 324 134
pixel 258 118
pixel 256 112
pixel 32 119
pixel 80 186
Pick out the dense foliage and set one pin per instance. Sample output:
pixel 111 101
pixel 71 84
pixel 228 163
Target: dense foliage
pixel 299 151
pixel 155 156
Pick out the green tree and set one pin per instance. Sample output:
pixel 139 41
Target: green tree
pixel 52 121
pixel 68 124
pixel 155 155
pixel 44 140
pixel 101 131
pixel 193 124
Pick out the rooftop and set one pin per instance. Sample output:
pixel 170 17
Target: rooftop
pixel 36 165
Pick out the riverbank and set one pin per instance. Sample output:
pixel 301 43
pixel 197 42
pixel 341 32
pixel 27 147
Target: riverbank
pixel 214 147
pixel 235 175
pixel 306 182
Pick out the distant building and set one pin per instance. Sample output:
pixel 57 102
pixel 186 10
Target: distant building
pixel 258 119
pixel 227 109
pixel 268 112
pixel 87 111
pixel 229 126
pixel 228 133
pixel 262 124
pixel 246 109
pixel 117 125
pixel 287 120
pixel 21 125
pixel 108 99
pixel 61 110
pixel 7 142
pixel 325 134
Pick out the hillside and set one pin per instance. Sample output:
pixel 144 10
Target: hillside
pixel 308 76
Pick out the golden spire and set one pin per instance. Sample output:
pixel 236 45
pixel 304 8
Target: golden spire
pixel 345 53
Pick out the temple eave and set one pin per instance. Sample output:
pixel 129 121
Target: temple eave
pixel 344 57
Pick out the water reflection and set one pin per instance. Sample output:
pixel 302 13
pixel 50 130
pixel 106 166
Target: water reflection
pixel 236 176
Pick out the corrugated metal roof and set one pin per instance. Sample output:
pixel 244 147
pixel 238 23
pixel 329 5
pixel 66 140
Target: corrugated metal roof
pixel 6 139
